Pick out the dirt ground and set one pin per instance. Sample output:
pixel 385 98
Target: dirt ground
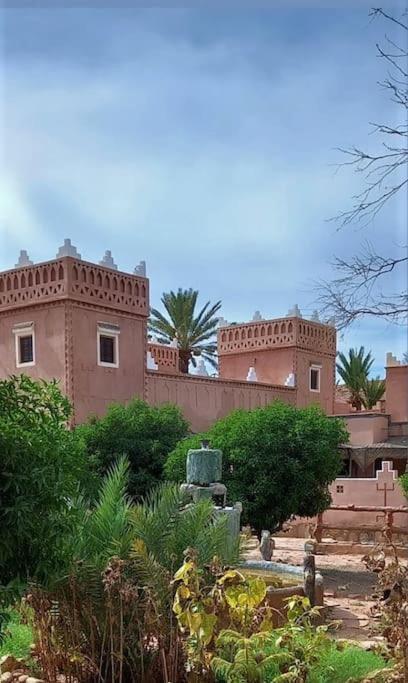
pixel 348 586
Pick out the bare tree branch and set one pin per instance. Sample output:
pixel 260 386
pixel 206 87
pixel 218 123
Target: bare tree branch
pixel 357 291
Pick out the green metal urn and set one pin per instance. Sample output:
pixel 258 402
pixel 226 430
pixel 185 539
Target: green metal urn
pixel 204 465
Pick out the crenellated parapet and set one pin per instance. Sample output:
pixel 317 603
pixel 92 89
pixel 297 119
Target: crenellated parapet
pixel 72 278
pixel 166 357
pixel 278 333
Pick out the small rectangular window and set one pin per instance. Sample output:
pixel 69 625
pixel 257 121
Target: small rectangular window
pixel 108 345
pixel 107 349
pixel 26 350
pixel 24 344
pixel 314 379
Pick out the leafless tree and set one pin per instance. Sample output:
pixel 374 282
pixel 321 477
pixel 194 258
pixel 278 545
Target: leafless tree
pixel 357 289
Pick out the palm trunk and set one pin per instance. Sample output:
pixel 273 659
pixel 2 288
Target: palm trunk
pixel 184 359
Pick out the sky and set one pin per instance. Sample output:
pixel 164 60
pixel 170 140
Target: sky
pixel 201 140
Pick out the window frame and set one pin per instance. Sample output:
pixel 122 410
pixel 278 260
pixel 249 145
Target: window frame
pixel 19 331
pixel 112 331
pixel 316 368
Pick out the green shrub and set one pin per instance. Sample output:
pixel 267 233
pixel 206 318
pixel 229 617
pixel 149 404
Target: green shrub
pixel 17 638
pixel 115 591
pixel 278 460
pixel 43 467
pixel 338 666
pixel 403 481
pixel 144 434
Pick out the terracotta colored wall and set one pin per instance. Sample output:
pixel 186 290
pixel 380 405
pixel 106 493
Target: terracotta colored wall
pixel 325 397
pixel 271 366
pixel 276 348
pixel 341 408
pixel 49 326
pixel 396 399
pixel 205 400
pixel 95 387
pixel 366 428
pixel 367 492
pixel 166 357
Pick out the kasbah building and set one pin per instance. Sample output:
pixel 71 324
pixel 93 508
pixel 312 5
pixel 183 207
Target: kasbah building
pixel 85 324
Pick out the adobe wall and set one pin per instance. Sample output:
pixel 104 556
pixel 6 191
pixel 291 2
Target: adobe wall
pixel 324 397
pixel 204 400
pixel 345 491
pixel 49 322
pixel 277 348
pixel 166 357
pixel 396 397
pixel 268 370
pixel 348 525
pixel 95 387
pixel 366 428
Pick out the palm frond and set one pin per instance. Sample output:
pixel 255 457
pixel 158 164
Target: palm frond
pixel 195 333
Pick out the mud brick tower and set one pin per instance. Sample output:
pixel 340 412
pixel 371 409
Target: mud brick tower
pixel 81 323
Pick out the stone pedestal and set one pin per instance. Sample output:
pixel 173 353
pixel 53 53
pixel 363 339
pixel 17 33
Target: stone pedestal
pixel 204 470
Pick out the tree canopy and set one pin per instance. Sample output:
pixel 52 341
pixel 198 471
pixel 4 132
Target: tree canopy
pixel 142 433
pixel 42 469
pixel 278 460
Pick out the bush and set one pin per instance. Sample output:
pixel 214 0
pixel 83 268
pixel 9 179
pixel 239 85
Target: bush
pixel 115 592
pixel 144 434
pixel 278 461
pixel 18 637
pixel 42 470
pixel 403 481
pixel 339 666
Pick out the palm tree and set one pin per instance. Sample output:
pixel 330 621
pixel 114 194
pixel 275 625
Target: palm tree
pixel 354 370
pixel 373 391
pixel 194 333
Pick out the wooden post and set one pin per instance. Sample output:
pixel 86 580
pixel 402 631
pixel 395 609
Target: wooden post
pixel 389 522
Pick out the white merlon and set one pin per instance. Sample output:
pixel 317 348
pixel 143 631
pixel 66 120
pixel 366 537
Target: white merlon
pixel 68 249
pixel 257 316
pixel 174 343
pixel 23 259
pixel 222 322
pixel 201 369
pixel 391 360
pixel 140 269
pixel 108 260
pixel 331 321
pixel 251 376
pixel 154 339
pixel 150 362
pixel 294 312
pixel 290 381
pixel 315 317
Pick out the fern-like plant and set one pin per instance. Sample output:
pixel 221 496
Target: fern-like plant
pixel 164 527
pixel 107 614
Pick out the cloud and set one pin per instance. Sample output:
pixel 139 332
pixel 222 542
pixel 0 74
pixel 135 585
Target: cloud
pixel 201 143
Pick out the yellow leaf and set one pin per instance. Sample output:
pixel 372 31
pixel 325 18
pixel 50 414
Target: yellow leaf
pixel 230 575
pixel 182 573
